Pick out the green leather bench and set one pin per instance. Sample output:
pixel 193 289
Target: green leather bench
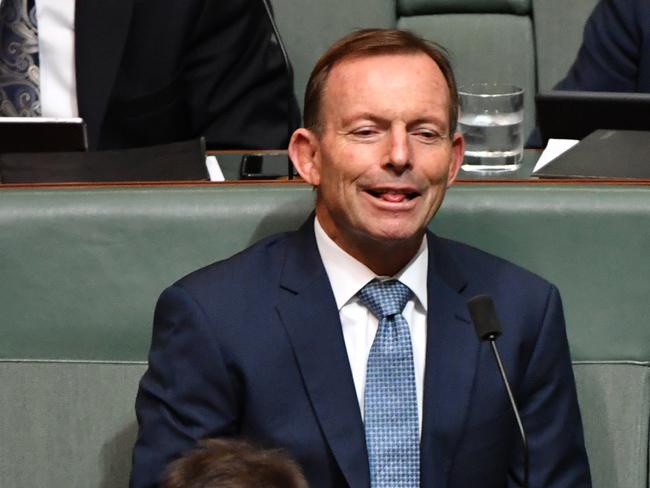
pixel 82 268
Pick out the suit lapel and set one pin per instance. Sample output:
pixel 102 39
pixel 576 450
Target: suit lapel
pixel 101 28
pixel 452 356
pixel 308 310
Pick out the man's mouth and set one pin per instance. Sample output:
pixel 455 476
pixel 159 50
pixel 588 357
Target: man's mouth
pixel 393 196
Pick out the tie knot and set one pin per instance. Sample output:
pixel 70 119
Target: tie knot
pixel 385 298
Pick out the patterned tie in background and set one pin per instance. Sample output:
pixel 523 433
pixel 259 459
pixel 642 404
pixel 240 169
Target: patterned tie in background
pixel 391 412
pixel 19 72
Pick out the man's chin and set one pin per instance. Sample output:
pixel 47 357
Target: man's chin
pixel 396 235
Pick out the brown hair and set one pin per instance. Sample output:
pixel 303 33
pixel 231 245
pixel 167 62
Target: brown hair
pixel 231 463
pixel 373 42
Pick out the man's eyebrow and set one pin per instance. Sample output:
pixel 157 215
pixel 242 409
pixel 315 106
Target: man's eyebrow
pixel 364 116
pixel 439 122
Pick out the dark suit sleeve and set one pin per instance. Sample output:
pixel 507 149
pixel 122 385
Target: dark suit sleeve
pixel 185 395
pixel 239 92
pixel 549 408
pixel 610 55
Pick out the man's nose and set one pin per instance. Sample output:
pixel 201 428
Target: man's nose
pixel 399 153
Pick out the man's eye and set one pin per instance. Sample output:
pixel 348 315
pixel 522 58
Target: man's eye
pixel 364 132
pixel 427 135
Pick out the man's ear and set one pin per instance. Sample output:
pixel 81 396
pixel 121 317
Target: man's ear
pixel 304 151
pixel 457 155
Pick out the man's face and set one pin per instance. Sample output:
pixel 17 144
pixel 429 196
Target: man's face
pixel 383 157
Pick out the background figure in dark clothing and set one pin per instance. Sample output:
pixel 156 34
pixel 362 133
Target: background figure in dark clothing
pixel 614 55
pixel 147 73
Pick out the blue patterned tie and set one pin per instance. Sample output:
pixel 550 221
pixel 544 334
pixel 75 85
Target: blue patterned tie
pixel 391 412
pixel 19 70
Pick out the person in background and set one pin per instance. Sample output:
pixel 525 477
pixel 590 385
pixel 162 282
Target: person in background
pixel 615 51
pixel 349 342
pixel 232 463
pixel 613 56
pixel 147 73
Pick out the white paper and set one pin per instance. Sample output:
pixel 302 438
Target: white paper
pixel 553 149
pixel 214 170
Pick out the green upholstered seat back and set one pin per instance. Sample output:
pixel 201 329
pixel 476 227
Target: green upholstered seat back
pixel 591 241
pixel 614 401
pixel 82 268
pixel 308 27
pixel 485 48
pixel 67 424
pixel 488 41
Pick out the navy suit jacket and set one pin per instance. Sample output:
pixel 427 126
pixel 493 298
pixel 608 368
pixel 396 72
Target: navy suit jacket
pixel 614 55
pixel 252 346
pixel 157 72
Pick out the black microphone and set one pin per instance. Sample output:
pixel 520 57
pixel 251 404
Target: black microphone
pixel 486 323
pixel 289 69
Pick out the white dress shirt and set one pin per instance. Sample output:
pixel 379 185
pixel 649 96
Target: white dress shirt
pixel 58 80
pixel 347 276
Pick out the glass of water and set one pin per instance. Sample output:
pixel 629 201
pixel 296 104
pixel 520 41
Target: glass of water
pixel 491 120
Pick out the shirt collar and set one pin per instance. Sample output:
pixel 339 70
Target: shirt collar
pixel 347 275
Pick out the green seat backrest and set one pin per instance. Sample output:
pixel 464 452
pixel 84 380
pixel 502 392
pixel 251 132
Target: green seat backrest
pixel 488 42
pixel 67 424
pixel 558 35
pixel 308 27
pixel 614 401
pixel 82 268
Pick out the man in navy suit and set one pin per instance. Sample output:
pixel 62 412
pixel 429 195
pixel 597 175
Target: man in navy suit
pixel 614 54
pixel 289 370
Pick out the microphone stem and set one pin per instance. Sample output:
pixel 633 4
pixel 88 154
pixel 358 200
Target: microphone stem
pixel 515 410
pixel 289 70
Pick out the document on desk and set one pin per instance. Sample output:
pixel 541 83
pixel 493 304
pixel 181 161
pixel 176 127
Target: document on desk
pixel 553 149
pixel 605 153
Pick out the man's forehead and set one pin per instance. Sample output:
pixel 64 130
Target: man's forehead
pixel 356 80
pixel 377 60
